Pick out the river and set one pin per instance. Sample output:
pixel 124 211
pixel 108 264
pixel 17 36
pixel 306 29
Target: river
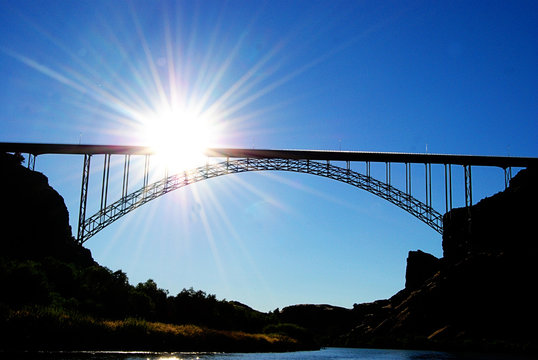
pixel 323 354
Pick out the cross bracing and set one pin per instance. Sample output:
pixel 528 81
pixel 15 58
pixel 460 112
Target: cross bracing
pixel 130 202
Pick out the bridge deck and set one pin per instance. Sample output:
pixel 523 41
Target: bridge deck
pixel 392 157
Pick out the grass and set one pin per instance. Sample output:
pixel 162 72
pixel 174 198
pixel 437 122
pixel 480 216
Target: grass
pixel 46 328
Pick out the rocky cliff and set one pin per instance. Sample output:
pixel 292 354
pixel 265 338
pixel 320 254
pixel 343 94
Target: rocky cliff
pixel 479 295
pixel 34 221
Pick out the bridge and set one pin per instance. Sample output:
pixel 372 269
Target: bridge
pixel 336 165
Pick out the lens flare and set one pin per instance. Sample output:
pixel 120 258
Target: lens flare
pixel 179 137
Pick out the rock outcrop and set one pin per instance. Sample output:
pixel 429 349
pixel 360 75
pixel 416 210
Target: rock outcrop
pixel 480 295
pixel 420 267
pixel 500 224
pixel 35 220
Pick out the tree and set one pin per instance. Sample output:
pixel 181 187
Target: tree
pixel 157 299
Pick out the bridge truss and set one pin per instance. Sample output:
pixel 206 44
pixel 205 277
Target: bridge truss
pixel 233 161
pixel 109 214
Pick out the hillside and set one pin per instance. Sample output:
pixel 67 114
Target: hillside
pixel 55 296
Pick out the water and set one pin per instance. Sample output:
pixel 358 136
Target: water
pixel 324 354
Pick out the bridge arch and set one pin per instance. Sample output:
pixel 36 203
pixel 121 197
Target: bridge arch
pixel 106 216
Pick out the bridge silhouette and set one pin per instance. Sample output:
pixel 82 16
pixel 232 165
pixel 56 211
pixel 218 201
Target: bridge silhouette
pixel 233 161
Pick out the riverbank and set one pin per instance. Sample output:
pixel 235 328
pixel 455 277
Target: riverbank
pixel 46 328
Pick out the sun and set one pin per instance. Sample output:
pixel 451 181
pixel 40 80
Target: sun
pixel 179 137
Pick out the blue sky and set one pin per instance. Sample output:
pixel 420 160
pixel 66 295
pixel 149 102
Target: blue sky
pixel 408 76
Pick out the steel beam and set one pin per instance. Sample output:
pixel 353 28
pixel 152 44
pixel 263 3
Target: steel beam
pixel 507 177
pixel 321 155
pixel 83 198
pixel 448 187
pixel 468 186
pixel 31 161
pixel 104 185
pixel 125 179
pixel 408 178
pixel 146 170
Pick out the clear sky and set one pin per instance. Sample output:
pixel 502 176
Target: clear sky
pixel 456 77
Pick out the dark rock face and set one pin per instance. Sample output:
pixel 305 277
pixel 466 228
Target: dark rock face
pixel 420 267
pixel 35 220
pixel 499 224
pixel 479 295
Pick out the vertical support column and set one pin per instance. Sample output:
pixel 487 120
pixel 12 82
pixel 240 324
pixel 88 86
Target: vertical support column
pixel 83 198
pixel 428 187
pixel 166 181
pixel 387 173
pixel 145 180
pixel 104 185
pixel 448 187
pixel 408 179
pixel 368 169
pixel 468 186
pixel 125 182
pixel 507 177
pixel 428 182
pixel 468 204
pixel 31 161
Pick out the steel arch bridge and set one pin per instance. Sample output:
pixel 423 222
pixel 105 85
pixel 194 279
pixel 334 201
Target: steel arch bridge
pixel 315 162
pixel 124 205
